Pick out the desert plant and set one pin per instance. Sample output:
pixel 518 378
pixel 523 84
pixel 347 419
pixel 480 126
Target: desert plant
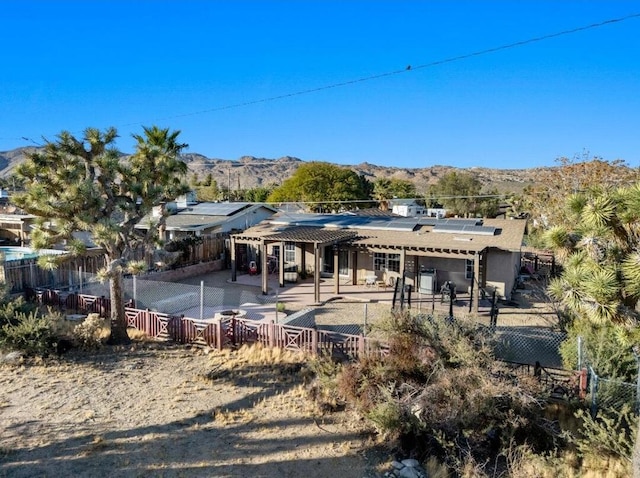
pixel 88 334
pixel 609 433
pixel 440 392
pixel 29 333
pixel 10 309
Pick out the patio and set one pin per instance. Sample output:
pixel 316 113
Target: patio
pixel 301 294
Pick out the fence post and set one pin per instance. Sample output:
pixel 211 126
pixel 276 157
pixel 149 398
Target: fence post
pixel 582 383
pixel 314 342
pixel 364 329
pixel 594 392
pixel 637 382
pixel 579 352
pixel 219 335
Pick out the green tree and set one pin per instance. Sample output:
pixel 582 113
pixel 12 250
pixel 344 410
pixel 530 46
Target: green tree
pixel 458 192
pixel 322 186
pixel 85 185
pixel 385 189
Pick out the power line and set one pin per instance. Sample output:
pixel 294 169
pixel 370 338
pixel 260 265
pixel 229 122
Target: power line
pixel 404 70
pixel 407 69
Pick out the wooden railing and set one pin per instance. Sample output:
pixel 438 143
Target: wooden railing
pixel 227 332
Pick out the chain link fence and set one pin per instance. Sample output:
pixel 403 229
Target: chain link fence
pixel 607 392
pixel 528 345
pixel 610 393
pixel 194 301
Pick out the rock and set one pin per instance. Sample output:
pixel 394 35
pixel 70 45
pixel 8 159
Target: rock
pixel 411 472
pixel 12 357
pixel 411 463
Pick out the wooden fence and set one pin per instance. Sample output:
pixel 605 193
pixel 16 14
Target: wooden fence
pixel 24 274
pixel 219 334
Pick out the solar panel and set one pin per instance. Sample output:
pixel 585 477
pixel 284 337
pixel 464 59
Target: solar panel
pixel 215 208
pixel 348 221
pixel 468 229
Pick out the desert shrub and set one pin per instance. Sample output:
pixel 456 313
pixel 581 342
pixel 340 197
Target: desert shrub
pixel 440 393
pixel 323 387
pixel 88 334
pixel 10 310
pixel 29 333
pixel 610 433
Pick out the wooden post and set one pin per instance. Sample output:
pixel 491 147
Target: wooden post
pixel 582 383
pixel 265 270
pixel 314 343
pixel 281 266
pixel 476 274
pixel 316 273
pixel 234 265
pixel 336 270
pixel 219 342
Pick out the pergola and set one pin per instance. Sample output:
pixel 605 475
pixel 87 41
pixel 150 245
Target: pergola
pixel 318 238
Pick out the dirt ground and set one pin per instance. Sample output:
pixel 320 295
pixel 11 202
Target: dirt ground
pixel 162 410
pixel 153 409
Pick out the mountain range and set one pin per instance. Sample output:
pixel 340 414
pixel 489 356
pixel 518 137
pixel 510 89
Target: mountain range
pixel 250 172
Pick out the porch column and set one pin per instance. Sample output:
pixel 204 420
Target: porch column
pixel 303 259
pixel 354 268
pixel 403 259
pixel 264 269
pixel 233 260
pixel 281 266
pixel 316 273
pixel 476 287
pixel 336 271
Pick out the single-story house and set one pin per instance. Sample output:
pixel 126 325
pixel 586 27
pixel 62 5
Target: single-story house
pixel 197 219
pixel 476 254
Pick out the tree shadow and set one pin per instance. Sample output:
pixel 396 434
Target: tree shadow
pixel 234 439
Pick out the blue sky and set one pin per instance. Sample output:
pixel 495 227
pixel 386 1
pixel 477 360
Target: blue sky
pixel 212 68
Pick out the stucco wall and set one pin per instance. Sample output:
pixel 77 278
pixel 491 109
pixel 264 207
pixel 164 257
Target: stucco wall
pixel 502 270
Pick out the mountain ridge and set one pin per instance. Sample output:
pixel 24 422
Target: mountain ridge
pixel 250 172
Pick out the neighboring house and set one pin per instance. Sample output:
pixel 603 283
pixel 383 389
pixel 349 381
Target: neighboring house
pixel 15 228
pixel 207 218
pixel 429 251
pixel 410 208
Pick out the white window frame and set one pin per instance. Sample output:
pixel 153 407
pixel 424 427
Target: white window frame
pixel 468 268
pixel 386 262
pixel 289 253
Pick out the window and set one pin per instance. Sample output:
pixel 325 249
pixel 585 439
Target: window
pixel 468 272
pixel 386 262
pixel 289 252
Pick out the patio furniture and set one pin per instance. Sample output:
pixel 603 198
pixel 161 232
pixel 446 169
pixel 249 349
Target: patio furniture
pixel 370 280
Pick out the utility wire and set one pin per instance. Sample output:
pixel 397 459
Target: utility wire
pixel 407 69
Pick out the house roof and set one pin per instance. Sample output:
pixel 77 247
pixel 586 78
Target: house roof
pixel 461 236
pixel 203 216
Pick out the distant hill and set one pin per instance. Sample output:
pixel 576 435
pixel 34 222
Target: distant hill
pixel 249 172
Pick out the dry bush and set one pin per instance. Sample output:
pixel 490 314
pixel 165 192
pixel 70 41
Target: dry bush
pixel 90 333
pixel 441 393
